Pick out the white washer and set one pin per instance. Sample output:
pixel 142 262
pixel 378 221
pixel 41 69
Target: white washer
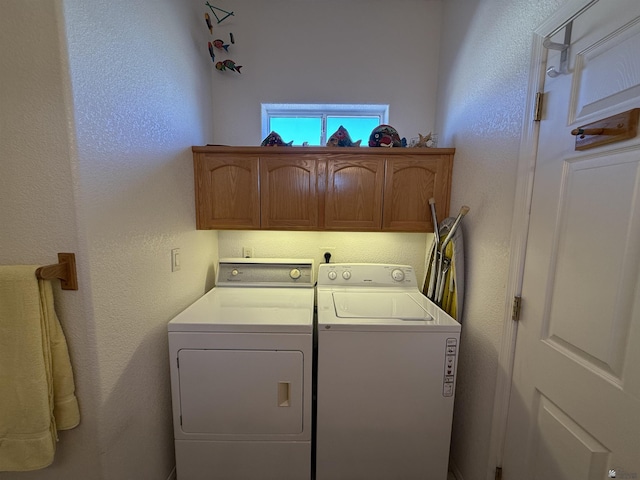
pixel 387 359
pixel 241 374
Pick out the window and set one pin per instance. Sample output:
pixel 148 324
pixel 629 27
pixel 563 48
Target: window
pixel 312 124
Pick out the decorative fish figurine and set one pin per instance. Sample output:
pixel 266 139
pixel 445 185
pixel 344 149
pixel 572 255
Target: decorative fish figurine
pixel 213 56
pixel 275 140
pixel 384 136
pixel 341 138
pixel 231 65
pixel 219 44
pixel 207 19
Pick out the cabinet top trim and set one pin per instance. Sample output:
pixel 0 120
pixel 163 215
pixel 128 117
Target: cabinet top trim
pixel 323 150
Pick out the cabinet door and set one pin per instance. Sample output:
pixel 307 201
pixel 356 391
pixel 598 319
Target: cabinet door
pixel 409 183
pixel 289 193
pixel 226 191
pixel 353 199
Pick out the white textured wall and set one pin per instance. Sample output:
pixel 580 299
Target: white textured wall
pixel 483 80
pixel 360 51
pixel 37 207
pixel 141 92
pixel 96 159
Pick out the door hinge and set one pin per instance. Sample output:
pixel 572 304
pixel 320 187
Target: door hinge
pixel 498 473
pixel 537 109
pixel 517 305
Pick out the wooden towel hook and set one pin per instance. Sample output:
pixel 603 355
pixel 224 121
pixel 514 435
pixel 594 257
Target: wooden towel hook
pixel 616 128
pixel 65 271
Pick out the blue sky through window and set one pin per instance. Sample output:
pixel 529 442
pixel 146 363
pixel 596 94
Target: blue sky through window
pixel 315 123
pixel 298 129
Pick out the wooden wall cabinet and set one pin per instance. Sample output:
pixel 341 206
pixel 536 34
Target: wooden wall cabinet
pixel 227 191
pixel 353 196
pixel 410 181
pixel 288 193
pixel 321 188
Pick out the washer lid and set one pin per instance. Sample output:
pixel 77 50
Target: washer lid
pixel 255 310
pixel 396 305
pixel 373 309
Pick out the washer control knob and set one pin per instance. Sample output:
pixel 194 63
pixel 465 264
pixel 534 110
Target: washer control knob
pixel 332 275
pixel 397 275
pixel 234 272
pixel 346 274
pixel 295 273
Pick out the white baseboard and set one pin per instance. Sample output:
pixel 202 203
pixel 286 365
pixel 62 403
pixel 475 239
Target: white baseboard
pixel 172 475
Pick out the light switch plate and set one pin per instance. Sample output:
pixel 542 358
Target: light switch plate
pixel 175 259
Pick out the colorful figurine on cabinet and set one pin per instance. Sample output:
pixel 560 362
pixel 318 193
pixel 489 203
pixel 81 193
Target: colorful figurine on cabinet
pixel 385 136
pixel 341 138
pixel 423 141
pixel 275 140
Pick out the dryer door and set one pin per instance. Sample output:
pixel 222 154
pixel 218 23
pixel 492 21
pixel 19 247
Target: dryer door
pixel 241 392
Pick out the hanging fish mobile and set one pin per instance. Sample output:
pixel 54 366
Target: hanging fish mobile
pixel 228 65
pixel 220 45
pixel 207 19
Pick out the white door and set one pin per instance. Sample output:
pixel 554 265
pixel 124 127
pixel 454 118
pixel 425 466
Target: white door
pixel 574 412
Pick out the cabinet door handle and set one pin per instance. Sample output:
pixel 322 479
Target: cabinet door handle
pixel 284 391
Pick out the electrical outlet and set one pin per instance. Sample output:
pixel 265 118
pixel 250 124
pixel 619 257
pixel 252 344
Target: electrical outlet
pixel 329 250
pixel 247 252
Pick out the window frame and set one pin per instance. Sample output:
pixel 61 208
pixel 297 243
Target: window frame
pixel 320 110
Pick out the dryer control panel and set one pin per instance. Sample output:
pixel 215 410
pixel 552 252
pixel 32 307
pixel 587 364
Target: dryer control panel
pixel 265 272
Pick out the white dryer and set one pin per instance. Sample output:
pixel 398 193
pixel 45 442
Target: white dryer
pixel 387 359
pixel 241 374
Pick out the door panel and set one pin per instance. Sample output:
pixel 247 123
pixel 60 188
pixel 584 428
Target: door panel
pixel 289 193
pixel 595 251
pixel 409 184
pixel 607 73
pixel 574 411
pixel 226 192
pixel 239 392
pixel 586 458
pixel 354 194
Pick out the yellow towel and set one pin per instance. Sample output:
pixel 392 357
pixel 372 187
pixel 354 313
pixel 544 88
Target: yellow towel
pixel 36 381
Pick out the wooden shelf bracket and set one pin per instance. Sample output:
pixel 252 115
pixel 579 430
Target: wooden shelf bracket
pixel 64 270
